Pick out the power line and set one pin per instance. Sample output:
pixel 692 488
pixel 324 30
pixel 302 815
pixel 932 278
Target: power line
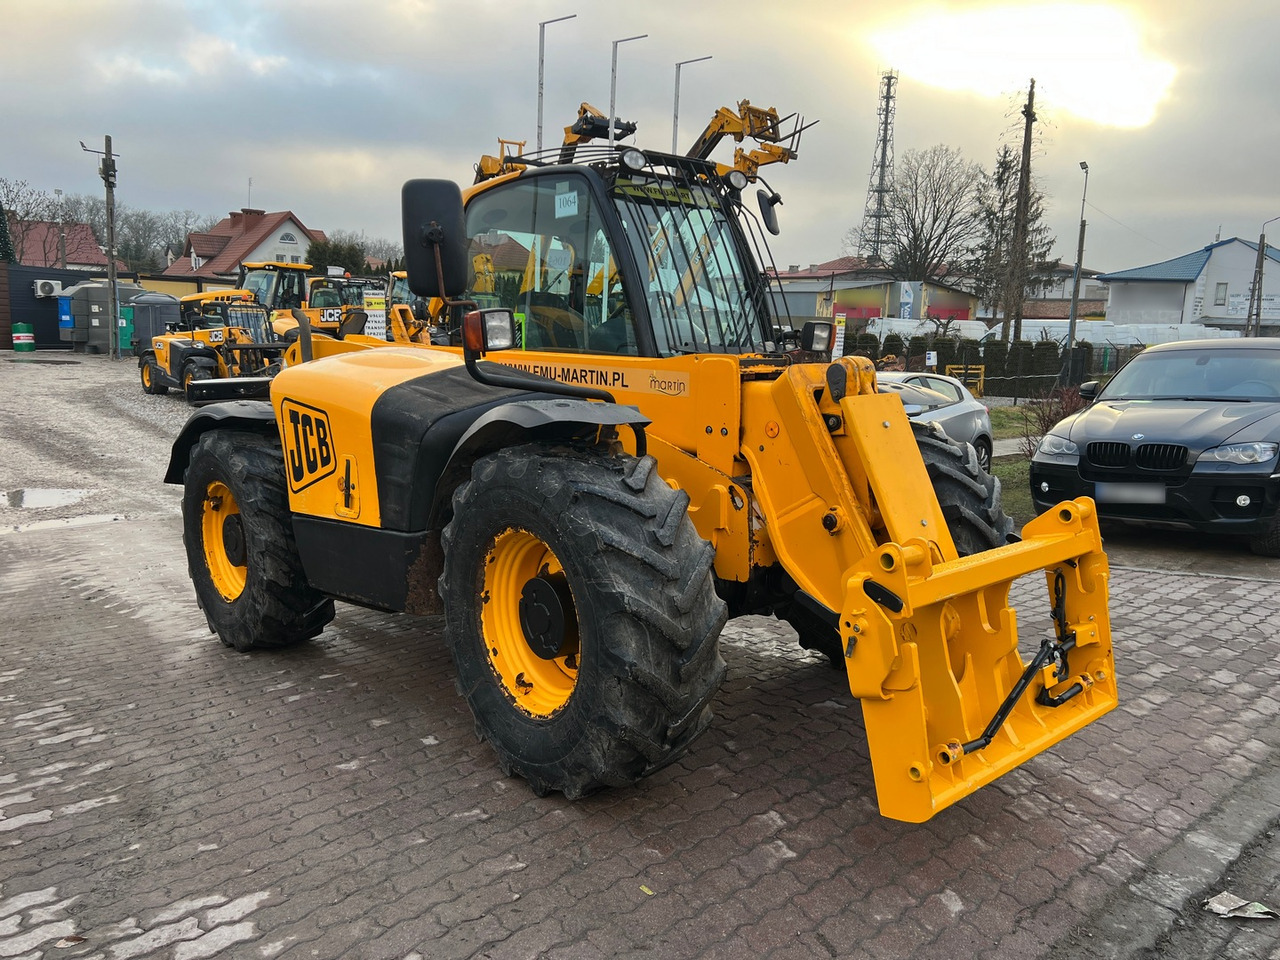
pixel 1121 223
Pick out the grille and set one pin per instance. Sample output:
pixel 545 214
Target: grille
pixel 1161 456
pixel 1108 454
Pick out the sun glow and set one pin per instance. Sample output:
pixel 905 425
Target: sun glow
pixel 1088 60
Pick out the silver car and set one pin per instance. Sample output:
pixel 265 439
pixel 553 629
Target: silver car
pixel 948 402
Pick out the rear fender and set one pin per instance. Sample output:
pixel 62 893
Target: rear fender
pixel 248 415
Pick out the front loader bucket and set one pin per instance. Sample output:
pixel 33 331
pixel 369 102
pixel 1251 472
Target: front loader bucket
pixel 932 652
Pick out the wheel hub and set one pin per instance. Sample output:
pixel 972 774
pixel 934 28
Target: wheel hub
pixel 543 602
pixel 233 540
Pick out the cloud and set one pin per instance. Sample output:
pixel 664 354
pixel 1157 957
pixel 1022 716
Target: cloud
pixel 1091 60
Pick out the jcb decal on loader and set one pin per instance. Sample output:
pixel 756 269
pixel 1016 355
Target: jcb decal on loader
pixel 308 444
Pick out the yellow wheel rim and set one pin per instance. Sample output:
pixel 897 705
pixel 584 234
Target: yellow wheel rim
pixel 186 379
pixel 538 686
pixel 146 375
pixel 222 534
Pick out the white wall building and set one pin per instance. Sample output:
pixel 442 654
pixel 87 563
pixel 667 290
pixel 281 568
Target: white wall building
pixel 1209 286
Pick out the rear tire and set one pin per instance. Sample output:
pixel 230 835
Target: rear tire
pixel 240 549
pixel 150 376
pixel 970 498
pixel 625 686
pixel 982 447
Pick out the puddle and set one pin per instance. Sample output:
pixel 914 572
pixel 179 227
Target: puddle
pixel 36 498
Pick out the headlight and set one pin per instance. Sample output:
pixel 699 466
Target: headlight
pixel 1240 453
pixel 1055 446
pixel 633 159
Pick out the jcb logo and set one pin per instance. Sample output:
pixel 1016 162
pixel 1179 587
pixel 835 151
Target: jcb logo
pixel 331 315
pixel 308 444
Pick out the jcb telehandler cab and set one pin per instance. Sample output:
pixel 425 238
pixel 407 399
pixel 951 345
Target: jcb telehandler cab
pixel 641 462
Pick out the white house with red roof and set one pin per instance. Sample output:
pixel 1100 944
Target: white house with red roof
pixel 245 235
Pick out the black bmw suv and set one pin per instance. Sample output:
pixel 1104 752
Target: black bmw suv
pixel 1187 434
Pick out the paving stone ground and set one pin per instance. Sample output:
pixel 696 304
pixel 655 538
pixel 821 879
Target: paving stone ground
pixel 162 796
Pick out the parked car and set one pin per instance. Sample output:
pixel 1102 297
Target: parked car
pixel 947 401
pixel 1187 434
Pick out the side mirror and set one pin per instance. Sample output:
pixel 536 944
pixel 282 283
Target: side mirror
pixel 769 215
pixel 433 222
pixel 1089 390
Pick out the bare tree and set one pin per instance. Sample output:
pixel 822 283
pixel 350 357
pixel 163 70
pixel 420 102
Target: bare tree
pixel 383 249
pixel 26 207
pixel 934 216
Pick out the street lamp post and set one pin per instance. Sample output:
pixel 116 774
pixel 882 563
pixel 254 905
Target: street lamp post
pixel 613 80
pixel 1253 322
pixel 675 110
pixel 1075 282
pixel 542 46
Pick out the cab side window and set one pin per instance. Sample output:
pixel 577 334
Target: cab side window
pixel 539 247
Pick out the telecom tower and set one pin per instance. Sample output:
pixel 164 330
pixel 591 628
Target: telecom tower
pixel 874 233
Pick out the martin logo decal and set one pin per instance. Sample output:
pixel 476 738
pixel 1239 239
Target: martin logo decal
pixel 308 444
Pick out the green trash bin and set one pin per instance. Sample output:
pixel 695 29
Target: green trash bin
pixel 24 338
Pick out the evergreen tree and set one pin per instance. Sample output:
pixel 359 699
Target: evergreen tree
pixel 991 268
pixel 6 242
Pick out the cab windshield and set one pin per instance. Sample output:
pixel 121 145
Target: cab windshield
pixel 702 296
pixel 261 284
pixel 400 290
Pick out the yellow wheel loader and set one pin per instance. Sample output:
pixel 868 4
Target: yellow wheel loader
pixel 619 456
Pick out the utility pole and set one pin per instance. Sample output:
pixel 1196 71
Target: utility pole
pixel 1017 288
pixel 107 171
pixel 1253 321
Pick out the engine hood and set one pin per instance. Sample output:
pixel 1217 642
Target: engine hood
pixel 1197 424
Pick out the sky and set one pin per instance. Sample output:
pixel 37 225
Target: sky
pixel 330 106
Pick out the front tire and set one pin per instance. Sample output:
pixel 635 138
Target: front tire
pixel 241 553
pixel 581 615
pixel 190 375
pixel 970 498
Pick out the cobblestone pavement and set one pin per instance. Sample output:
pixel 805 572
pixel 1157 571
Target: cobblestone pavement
pixel 163 796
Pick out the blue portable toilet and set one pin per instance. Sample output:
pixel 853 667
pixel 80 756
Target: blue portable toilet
pixel 66 323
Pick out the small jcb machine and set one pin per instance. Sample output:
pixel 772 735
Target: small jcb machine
pixel 620 456
pixel 224 339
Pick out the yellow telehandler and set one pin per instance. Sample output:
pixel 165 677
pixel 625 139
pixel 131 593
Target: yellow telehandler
pixel 620 455
pixel 225 338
